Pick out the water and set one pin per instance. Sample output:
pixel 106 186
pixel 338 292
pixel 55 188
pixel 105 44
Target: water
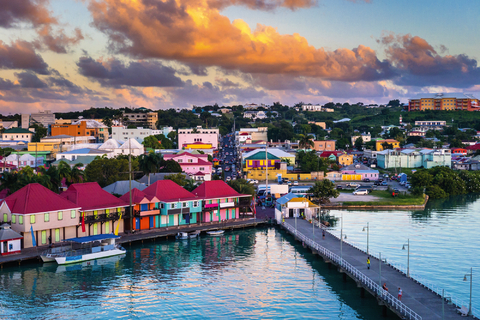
pixel 246 274
pixel 444 241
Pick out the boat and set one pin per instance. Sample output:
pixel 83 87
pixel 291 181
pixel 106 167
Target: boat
pixel 50 254
pixel 109 262
pixel 87 248
pixel 194 234
pixel 216 232
pixel 186 235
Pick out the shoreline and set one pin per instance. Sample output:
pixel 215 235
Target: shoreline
pixel 341 206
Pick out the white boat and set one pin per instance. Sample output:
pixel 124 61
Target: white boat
pixel 194 234
pixel 89 248
pixel 216 232
pixel 109 262
pixel 50 254
pixel 186 235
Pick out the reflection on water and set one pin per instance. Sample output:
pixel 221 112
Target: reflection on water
pixel 444 240
pixel 254 273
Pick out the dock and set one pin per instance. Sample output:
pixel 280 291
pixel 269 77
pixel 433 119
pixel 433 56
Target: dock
pixel 33 254
pixel 418 302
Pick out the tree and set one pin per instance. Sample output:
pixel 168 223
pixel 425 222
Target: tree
pixel 421 178
pixel 242 186
pixel 306 140
pixel 150 163
pixel 165 142
pixel 171 166
pixel 178 178
pixel 40 132
pixel 190 185
pixel 310 162
pixel 359 143
pixel 151 142
pixel 324 190
pixel 106 171
pixel 387 145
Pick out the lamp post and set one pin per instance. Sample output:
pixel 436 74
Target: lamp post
pixel 368 231
pixel 380 267
pixel 341 240
pixel 471 282
pixel 408 256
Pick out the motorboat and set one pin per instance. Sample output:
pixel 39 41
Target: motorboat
pixel 109 262
pixel 194 234
pixel 187 235
pixel 85 249
pixel 53 252
pixel 215 233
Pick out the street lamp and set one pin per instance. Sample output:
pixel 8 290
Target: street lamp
pixel 341 240
pixel 471 282
pixel 368 231
pixel 408 256
pixel 380 267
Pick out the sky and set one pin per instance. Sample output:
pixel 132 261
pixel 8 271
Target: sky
pixel 65 55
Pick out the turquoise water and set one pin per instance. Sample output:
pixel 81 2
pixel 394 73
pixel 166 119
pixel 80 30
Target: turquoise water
pixel 247 274
pixel 444 241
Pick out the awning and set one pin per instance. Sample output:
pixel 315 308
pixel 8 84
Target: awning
pixel 98 237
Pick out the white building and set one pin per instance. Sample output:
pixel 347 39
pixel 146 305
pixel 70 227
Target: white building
pixel 119 147
pixel 255 134
pixel 139 134
pixel 366 137
pixel 311 107
pixel 21 161
pixel 17 134
pixel 198 135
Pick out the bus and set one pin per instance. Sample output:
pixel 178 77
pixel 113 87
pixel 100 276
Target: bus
pixel 300 190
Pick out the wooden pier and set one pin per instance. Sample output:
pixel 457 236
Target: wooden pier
pixel 418 302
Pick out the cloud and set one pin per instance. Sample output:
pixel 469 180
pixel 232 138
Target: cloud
pixel 419 64
pixel 194 31
pixel 114 73
pixel 21 55
pixel 57 41
pixel 30 80
pixel 34 12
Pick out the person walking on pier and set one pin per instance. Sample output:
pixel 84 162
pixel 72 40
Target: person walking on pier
pixel 368 263
pixel 384 287
pixel 323 233
pixel 400 293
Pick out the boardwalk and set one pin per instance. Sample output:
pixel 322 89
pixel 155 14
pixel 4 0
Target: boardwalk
pixel 417 302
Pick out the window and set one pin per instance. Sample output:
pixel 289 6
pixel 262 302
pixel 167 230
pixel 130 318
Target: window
pixel 202 169
pixel 14 219
pixel 172 206
pixel 190 160
pixel 180 160
pixel 46 217
pixel 32 219
pixel 72 214
pixel 5 217
pixel 185 204
pixel 60 215
pixel 162 206
pixel 195 204
pixel 20 219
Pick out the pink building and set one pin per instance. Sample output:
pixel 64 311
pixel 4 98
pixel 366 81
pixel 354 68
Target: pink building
pixel 220 201
pixel 198 135
pixel 195 165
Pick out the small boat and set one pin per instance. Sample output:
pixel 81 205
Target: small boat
pixel 194 234
pixel 216 232
pixel 182 235
pixel 88 248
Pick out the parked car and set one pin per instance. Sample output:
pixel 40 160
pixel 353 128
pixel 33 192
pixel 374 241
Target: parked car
pixel 377 183
pixel 339 187
pixel 252 181
pixel 352 184
pixel 228 178
pixel 295 183
pixel 384 183
pixel 366 180
pixel 360 192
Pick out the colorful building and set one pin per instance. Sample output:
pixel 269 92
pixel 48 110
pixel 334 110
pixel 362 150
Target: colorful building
pixel 324 145
pixel 34 207
pixel 17 134
pixel 358 172
pixel 145 209
pixel 414 158
pixel 10 241
pixel 220 201
pixel 176 206
pixel 195 165
pixel 379 144
pixel 444 101
pixel 198 135
pixel 345 159
pixel 82 128
pixel 100 212
pixel 293 206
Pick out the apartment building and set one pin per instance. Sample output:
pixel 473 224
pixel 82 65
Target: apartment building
pixel 145 119
pixel 444 101
pixel 81 128
pixel 45 118
pixel 324 145
pixel 198 135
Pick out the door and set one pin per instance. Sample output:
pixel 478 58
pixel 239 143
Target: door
pixel 290 213
pixel 226 214
pixel 107 227
pixel 57 235
pixel 157 221
pixel 44 237
pixel 5 247
pixel 137 223
pixel 95 229
pixel 211 216
pixel 152 225
pixel 175 221
pixel 171 221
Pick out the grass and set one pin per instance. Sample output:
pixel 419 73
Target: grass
pixel 386 199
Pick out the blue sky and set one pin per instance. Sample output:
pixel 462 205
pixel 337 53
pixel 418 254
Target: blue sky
pixel 70 55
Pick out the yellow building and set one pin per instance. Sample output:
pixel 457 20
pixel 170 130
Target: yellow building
pixel 395 144
pixel 444 101
pixel 53 147
pixel 345 159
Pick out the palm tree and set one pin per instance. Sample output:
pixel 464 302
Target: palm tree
pixel 306 140
pixel 150 163
pixel 8 180
pixel 190 185
pixel 77 174
pixel 242 186
pixel 64 171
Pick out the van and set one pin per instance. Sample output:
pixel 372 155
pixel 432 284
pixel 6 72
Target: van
pixel 360 192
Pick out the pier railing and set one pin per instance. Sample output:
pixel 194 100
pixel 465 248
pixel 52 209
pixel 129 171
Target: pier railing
pixel 384 295
pixel 449 298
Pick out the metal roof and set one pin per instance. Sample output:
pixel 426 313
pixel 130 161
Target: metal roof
pixel 98 237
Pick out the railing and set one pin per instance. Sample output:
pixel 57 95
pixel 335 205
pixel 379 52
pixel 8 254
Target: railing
pixel 387 297
pixel 415 277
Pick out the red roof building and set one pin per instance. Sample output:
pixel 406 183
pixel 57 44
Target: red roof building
pixel 34 207
pixel 216 189
pixel 193 163
pixel 90 196
pixel 168 191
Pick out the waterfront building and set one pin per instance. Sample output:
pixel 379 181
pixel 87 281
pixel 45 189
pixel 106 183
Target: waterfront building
pixel 100 212
pixel 414 158
pixel 444 101
pixel 195 165
pixel 291 206
pixel 34 207
pixel 198 134
pixel 145 209
pixel 358 171
pixel 220 201
pixel 379 144
pixel 176 205
pixel 17 134
pixel 324 145
pixel 10 241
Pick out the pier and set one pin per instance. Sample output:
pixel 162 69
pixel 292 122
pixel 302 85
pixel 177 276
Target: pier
pixel 418 302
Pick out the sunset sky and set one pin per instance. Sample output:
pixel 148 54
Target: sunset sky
pixel 67 55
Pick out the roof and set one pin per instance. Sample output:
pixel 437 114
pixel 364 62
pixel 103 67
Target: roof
pixel 35 198
pixel 274 152
pixel 90 123
pixel 326 154
pixel 86 151
pixel 474 147
pixel 199 173
pixel 120 187
pixel 6 233
pixel 154 177
pixel 455 95
pixel 98 237
pixel 310 203
pixel 80 159
pixel 131 144
pixel 60 136
pixel 18 130
pixel 286 198
pixel 89 196
pixel 216 189
pixel 357 167
pixel 110 144
pixel 137 196
pixel 168 191
pixel 200 162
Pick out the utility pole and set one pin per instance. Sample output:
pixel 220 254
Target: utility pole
pixel 266 169
pixel 130 182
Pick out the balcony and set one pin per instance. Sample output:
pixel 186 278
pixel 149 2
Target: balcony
pixel 102 217
pixel 149 212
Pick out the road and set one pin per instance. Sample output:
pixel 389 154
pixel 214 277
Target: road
pixel 229 156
